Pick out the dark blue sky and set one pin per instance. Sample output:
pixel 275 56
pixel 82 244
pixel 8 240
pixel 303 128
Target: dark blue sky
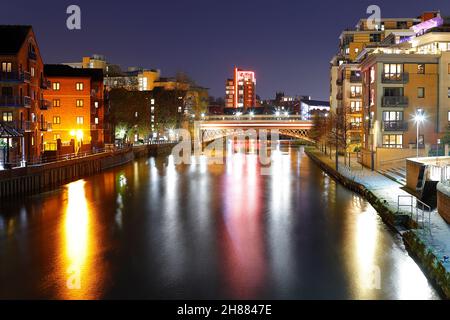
pixel 288 43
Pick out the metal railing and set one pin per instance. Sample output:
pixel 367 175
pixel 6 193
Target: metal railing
pixel 396 101
pixel 15 76
pixel 355 95
pixel 280 117
pixel 45 159
pixel 395 125
pixel 417 210
pixel 395 77
pixel 15 101
pixel 355 78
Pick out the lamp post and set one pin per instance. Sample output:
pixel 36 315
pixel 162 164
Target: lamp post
pixel 418 118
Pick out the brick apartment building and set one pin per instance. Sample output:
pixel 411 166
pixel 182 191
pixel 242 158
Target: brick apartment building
pixel 77 108
pixel 22 103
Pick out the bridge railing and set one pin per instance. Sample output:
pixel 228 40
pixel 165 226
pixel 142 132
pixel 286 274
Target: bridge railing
pixel 254 117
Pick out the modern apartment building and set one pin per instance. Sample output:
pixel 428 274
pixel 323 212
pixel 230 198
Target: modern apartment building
pixel 78 110
pixel 400 81
pixel 22 82
pixel 345 74
pixel 240 91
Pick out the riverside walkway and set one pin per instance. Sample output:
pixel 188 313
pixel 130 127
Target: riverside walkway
pixel 435 235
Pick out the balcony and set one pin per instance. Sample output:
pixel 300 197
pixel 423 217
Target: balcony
pixel 45 84
pixel 355 95
pixel 354 111
pixel 32 55
pixel 15 101
pixel 15 77
pixel 45 126
pixel 26 126
pixel 396 78
pixel 395 102
pixel 355 79
pixel 44 104
pixel 355 126
pixel 395 126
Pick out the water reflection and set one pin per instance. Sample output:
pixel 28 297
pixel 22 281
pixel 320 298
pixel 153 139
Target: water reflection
pixel 77 242
pixel 153 229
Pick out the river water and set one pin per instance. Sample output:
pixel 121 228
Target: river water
pixel 152 229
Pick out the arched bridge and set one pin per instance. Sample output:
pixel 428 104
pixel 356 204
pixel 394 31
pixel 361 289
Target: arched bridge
pixel 213 127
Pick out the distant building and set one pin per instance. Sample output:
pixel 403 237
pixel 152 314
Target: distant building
pixel 310 107
pixel 240 91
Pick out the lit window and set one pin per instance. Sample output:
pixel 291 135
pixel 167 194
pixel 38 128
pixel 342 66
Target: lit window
pixel 421 68
pixel 152 101
pixel 56 136
pixel 56 86
pixel 96 120
pixel 56 103
pixel 32 71
pixel 6 67
pixel 136 114
pixel 80 102
pixel 80 120
pixel 79 86
pixel 56 120
pixel 392 140
pixel 7 116
pixel 96 104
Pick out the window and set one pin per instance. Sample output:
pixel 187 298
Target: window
pixel 420 92
pixel 355 106
pixel 56 103
pixel 152 109
pixel 136 114
pixel 152 101
pixel 96 120
pixel 6 67
pixel 375 37
pixel 7 91
pixel 32 71
pixel 80 120
pixel 56 136
pixel 7 116
pixel 392 69
pixel 448 92
pixel 421 68
pixel 179 109
pixel 356 50
pixel 393 115
pixel 80 102
pixel 392 140
pixel 449 68
pixel 96 104
pixel 372 74
pixel 56 86
pixel 56 119
pixel 79 86
pixel 448 116
pixel 355 91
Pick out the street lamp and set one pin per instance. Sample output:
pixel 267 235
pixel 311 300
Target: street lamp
pixel 418 118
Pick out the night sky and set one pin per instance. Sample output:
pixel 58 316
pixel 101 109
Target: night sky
pixel 288 43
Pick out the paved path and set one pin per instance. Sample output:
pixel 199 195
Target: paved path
pixel 436 237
